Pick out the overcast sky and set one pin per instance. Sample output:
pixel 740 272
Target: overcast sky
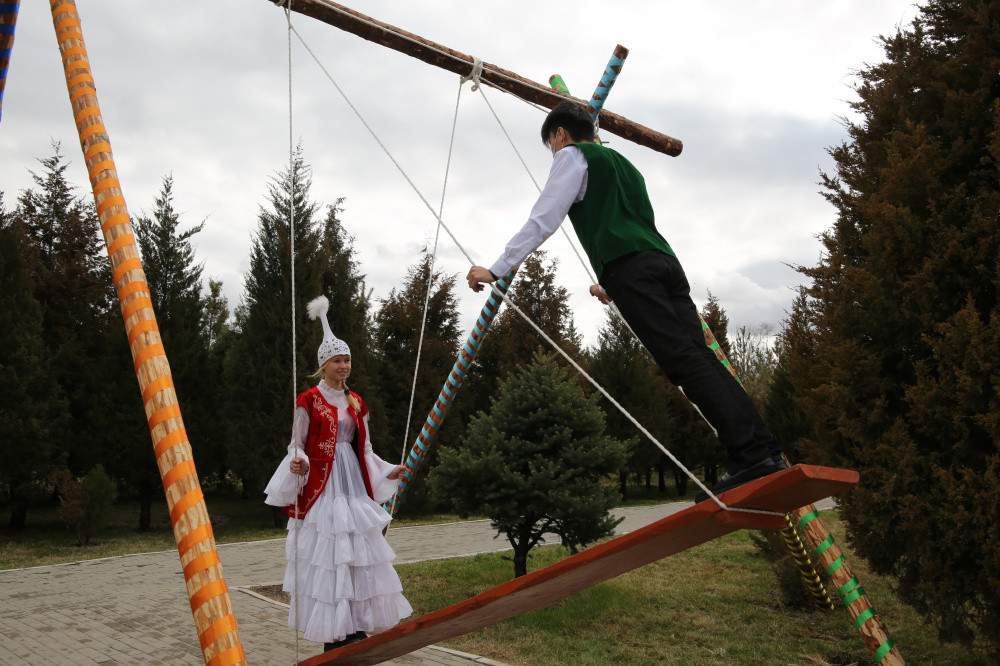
pixel 199 89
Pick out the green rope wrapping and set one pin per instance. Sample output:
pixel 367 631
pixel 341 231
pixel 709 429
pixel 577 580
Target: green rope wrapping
pixel 850 591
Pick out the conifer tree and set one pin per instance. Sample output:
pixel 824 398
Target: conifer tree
pixel 350 314
pixel 397 334
pixel 216 312
pixel 718 322
pixel 535 463
pixel 31 406
pixel 621 365
pixel 175 285
pixel 710 450
pixel 258 368
pixel 906 315
pixel 781 407
pixel 511 340
pixel 73 287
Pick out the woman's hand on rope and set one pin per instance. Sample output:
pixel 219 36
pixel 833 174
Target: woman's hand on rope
pixel 478 277
pixel 597 291
pixel 396 473
pixel 299 466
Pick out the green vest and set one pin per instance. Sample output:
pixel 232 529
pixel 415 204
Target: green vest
pixel 614 217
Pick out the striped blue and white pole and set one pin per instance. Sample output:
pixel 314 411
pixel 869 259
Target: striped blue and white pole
pixel 435 418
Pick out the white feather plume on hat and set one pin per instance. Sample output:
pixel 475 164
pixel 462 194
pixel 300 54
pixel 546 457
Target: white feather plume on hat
pixel 331 346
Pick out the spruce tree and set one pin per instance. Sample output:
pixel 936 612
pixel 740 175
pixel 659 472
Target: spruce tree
pixel 512 340
pixel 621 365
pixel 258 365
pixel 175 286
pixel 258 368
pixel 536 463
pixel 397 334
pixel 73 287
pixel 718 322
pixel 905 309
pixel 216 312
pixel 711 453
pixel 32 409
pixel 350 315
pixel 781 408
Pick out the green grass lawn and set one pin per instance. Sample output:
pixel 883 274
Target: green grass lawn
pixel 714 604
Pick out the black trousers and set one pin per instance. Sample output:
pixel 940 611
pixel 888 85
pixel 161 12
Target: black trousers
pixel 653 295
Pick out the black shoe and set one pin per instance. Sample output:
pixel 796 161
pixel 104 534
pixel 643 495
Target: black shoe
pixel 356 636
pixel 338 644
pixel 739 476
pixel 777 458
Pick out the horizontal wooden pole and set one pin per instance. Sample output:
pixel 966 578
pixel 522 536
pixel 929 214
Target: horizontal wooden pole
pixel 435 54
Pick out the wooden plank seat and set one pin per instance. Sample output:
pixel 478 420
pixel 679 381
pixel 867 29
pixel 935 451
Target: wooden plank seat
pixel 780 492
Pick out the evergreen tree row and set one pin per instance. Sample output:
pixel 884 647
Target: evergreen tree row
pixel 234 376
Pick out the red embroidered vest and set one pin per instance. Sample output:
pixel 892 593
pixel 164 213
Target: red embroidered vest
pixel 321 445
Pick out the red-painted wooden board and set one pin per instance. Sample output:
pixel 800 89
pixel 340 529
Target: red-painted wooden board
pixel 782 492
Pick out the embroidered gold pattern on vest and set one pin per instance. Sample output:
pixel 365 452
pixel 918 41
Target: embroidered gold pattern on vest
pixel 329 445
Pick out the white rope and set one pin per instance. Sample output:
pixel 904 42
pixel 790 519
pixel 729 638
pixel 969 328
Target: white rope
pixel 466 254
pixel 291 245
pixel 430 281
pixel 384 148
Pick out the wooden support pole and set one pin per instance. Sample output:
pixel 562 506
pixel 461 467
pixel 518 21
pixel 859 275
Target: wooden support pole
pixel 866 621
pixel 8 20
pixel 441 56
pixel 435 418
pixel 207 592
pixel 868 624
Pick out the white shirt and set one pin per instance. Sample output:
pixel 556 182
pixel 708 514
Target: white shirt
pixel 566 186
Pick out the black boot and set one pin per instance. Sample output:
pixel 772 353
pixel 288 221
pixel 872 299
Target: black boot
pixel 738 477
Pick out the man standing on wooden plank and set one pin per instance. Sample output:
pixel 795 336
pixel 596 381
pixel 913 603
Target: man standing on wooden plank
pixel 606 200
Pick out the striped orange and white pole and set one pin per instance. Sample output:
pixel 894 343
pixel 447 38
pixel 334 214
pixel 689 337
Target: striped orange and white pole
pixel 209 596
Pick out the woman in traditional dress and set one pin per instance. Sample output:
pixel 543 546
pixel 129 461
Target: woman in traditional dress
pixel 344 585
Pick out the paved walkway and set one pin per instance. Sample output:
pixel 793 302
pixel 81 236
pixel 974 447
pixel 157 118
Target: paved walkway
pixel 134 609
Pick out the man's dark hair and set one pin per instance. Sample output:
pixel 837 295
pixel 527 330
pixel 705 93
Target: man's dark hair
pixel 571 117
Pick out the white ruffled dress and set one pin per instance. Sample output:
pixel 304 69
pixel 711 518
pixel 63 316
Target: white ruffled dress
pixel 346 579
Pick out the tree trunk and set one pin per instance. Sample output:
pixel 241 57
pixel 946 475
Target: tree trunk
pixel 680 482
pixel 623 482
pixel 18 513
pixel 649 478
pixel 661 476
pixel 279 517
pixel 711 474
pixel 520 562
pixel 145 505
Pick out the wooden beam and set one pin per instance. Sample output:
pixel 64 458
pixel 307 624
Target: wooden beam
pixel 441 56
pixel 779 492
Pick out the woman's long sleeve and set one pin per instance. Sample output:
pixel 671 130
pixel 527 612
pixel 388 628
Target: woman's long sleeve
pixel 382 488
pixel 281 489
